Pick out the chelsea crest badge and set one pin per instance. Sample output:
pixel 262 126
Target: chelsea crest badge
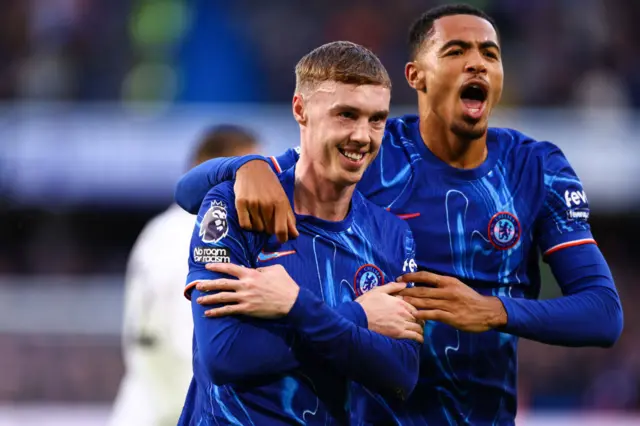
pixel 504 230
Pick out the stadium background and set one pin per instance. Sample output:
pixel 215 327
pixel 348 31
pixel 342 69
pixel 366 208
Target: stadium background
pixel 101 101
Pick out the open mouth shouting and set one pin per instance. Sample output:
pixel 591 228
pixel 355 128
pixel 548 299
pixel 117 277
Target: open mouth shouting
pixel 474 95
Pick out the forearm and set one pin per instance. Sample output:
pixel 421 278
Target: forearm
pixel 194 185
pixel 353 312
pixel 588 314
pixel 590 318
pixel 239 348
pixel 380 363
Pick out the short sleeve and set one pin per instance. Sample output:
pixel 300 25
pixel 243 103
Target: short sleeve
pixel 563 220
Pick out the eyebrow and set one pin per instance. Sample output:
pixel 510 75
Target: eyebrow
pixel 466 45
pixel 345 107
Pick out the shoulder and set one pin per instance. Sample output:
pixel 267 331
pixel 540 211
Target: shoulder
pixel 521 144
pixel 382 222
pixel 520 151
pixel 402 144
pixel 222 190
pixel 217 216
pixel 400 128
pixel 388 237
pixel 393 166
pixel 402 123
pixel 218 223
pixel 221 199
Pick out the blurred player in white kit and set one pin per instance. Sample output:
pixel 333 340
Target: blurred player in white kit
pixel 158 329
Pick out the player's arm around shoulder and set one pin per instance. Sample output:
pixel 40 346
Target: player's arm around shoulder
pixel 227 345
pixel 261 203
pixel 193 186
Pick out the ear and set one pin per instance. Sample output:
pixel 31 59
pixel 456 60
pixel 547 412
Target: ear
pixel 298 106
pixel 415 76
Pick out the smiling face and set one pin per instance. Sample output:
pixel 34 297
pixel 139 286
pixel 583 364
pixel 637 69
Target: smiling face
pixel 459 68
pixel 342 126
pixel 341 103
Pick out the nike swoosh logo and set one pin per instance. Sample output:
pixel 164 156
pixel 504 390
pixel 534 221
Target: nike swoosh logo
pixel 265 257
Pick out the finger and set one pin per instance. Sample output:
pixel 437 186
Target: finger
pixel 425 303
pixel 415 327
pixel 256 218
pixel 228 268
pixel 281 224
pixel 390 288
pixel 426 292
pixel 227 310
pixel 222 284
pixel 243 215
pixel 410 308
pixel 436 315
pixel 291 224
pixel 276 267
pixel 412 335
pixel 422 277
pixel 268 214
pixel 219 298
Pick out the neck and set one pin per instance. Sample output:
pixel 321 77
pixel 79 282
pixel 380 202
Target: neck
pixel 314 195
pixel 453 149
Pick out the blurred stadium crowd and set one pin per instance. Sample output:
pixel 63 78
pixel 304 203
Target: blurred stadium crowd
pixel 558 53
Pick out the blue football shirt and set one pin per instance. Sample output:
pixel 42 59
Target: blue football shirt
pixel 487 227
pixel 298 369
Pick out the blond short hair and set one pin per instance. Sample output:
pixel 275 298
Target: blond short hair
pixel 342 62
